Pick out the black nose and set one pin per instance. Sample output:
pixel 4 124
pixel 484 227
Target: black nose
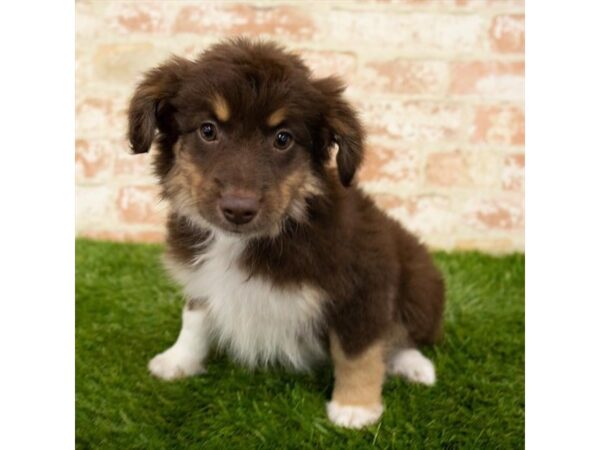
pixel 239 209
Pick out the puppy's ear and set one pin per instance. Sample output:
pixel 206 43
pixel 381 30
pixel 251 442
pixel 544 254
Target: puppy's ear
pixel 344 126
pixel 149 107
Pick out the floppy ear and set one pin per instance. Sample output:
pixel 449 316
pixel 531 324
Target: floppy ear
pixel 344 126
pixel 149 107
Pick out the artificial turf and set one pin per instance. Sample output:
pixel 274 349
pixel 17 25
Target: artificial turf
pixel 127 310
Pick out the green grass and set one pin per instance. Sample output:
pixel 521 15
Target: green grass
pixel 127 310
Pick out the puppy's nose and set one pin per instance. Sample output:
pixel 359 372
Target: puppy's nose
pixel 239 208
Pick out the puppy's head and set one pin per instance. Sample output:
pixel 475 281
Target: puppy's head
pixel 244 133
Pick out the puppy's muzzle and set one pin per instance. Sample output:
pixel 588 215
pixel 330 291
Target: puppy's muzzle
pixel 239 207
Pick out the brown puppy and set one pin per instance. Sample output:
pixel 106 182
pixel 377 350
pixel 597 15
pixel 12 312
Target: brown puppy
pixel 282 259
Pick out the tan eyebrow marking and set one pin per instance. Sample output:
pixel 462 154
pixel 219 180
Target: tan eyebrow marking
pixel 221 108
pixel 276 117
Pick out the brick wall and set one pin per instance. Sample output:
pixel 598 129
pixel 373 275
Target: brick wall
pixel 439 84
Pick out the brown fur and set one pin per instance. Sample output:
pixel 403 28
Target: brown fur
pixel 313 226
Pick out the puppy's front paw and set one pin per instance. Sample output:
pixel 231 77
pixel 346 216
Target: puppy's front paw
pixel 412 365
pixel 353 416
pixel 174 363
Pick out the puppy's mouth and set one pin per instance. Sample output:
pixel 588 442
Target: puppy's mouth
pixel 264 224
pixel 243 215
pixel 237 229
pixel 236 223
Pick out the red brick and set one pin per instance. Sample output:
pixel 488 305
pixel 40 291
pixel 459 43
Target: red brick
pixel 404 77
pixel 125 236
pixel 88 20
pixel 127 163
pixel 139 204
pixel 513 173
pixel 137 17
pixel 492 245
pixel 507 33
pixel 417 33
pixel 447 169
pixel 423 214
pixel 124 63
pixel 450 4
pixel 463 169
pixel 499 125
pixel 390 164
pixel 413 121
pixel 285 21
pixel 489 79
pixel 99 20
pixel 100 116
pixel 327 63
pixel 94 206
pixel 388 202
pixel 495 214
pixel 427 214
pixel 486 4
pixel 93 159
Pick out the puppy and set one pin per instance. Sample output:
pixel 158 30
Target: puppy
pixel 280 257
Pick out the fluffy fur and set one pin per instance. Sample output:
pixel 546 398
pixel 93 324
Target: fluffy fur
pixel 281 257
pixel 258 322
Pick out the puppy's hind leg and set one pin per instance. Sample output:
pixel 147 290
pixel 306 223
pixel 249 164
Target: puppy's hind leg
pixel 185 357
pixel 411 364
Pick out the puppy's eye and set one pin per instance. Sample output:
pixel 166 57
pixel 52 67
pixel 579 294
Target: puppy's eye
pixel 208 131
pixel 283 140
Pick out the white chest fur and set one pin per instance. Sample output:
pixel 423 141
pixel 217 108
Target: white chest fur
pixel 256 321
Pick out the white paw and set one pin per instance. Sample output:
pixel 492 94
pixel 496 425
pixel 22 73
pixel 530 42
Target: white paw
pixel 411 364
pixel 353 416
pixel 174 363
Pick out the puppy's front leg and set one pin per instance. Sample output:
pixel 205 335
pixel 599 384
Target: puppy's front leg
pixel 186 356
pixel 356 399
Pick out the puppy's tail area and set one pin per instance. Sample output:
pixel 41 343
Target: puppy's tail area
pixel 422 298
